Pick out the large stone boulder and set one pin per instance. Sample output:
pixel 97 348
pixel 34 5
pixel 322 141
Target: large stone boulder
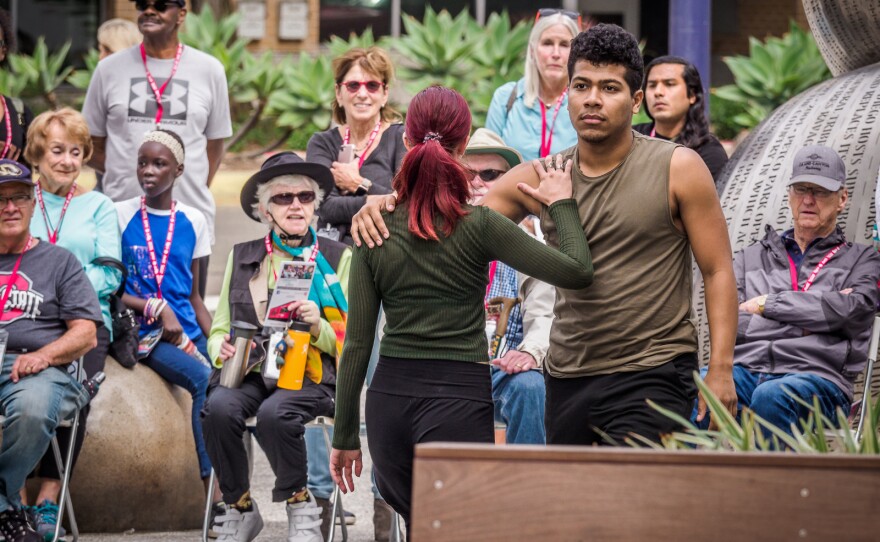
pixel 138 468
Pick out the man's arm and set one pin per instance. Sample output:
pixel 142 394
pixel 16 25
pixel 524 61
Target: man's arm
pixel 847 310
pixel 99 154
pixel 537 316
pixel 697 210
pixel 215 156
pixel 79 338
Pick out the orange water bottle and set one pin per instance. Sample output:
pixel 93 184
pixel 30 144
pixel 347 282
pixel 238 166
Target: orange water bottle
pixel 294 369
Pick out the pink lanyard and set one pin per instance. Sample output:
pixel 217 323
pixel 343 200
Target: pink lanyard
pixel 492 267
pixel 53 233
pixel 793 269
pixel 157 90
pixel 270 249
pixel 373 135
pixel 653 131
pixel 545 145
pixel 158 269
pixel 8 129
pixel 13 277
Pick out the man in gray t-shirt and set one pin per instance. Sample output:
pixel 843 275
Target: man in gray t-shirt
pixel 121 107
pixel 49 314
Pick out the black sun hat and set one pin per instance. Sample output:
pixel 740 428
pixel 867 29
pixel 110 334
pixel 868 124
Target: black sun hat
pixel 283 163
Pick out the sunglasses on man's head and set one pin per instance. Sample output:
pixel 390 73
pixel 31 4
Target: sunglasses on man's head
pixel 286 198
pixel 354 86
pixel 158 5
pixel 546 12
pixel 487 175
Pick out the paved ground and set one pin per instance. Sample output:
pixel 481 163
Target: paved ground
pixel 232 226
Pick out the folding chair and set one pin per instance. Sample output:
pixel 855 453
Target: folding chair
pixel 64 466
pixel 324 423
pixel 874 345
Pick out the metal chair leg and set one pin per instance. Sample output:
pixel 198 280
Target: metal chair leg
pixel 395 527
pixel 869 376
pixel 337 510
pixel 64 468
pixel 206 521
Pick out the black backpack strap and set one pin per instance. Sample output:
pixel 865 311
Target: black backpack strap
pixel 113 262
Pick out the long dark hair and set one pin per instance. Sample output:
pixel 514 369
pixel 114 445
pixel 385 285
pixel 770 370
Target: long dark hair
pixel 431 180
pixel 696 127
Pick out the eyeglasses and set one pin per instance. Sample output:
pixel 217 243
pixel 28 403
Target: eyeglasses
pixel 800 191
pixel 19 200
pixel 547 12
pixel 158 5
pixel 286 198
pixel 487 175
pixel 354 86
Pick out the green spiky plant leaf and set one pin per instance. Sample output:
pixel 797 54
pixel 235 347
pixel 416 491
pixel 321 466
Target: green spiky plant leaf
pixel 775 71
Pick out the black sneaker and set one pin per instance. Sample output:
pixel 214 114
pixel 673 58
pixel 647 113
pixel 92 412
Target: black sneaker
pixel 15 527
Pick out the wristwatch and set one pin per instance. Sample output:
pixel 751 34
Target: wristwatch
pixel 761 301
pixel 364 187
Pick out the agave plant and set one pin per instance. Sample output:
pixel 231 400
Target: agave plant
pixel 81 78
pixel 774 72
pixel 498 56
pixel 304 102
pixel 259 78
pixel 43 72
pixel 438 50
pixel 816 434
pixel 338 46
pixel 205 32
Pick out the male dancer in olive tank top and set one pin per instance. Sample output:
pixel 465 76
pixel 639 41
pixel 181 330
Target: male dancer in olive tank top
pixel 645 204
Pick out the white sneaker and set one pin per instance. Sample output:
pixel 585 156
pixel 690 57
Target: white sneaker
pixel 304 521
pixel 238 526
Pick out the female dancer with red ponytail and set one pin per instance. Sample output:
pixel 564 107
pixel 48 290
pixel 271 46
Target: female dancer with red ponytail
pixel 432 382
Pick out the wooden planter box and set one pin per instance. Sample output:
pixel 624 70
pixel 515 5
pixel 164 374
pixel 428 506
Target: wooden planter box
pixel 567 493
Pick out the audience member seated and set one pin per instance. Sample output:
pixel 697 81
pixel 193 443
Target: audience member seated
pixel 517 381
pixel 807 300
pixel 84 223
pixel 284 195
pixel 48 315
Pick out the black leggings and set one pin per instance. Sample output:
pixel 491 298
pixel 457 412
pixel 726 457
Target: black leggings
pixel 396 423
pixel 93 362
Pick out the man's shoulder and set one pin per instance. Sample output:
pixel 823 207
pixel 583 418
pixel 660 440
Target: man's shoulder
pixel 60 257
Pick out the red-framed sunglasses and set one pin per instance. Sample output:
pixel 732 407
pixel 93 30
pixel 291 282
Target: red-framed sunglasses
pixel 573 15
pixel 354 86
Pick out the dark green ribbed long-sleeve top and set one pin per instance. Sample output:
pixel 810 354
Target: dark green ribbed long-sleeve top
pixel 432 293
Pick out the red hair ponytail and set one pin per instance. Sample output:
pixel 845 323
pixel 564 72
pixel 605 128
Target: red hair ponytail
pixel 431 181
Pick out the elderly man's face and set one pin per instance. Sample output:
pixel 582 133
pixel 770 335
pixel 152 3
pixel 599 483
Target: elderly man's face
pixel 815 209
pixel 483 171
pixel 17 201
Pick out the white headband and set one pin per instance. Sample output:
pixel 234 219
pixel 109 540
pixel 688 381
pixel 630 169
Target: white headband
pixel 163 138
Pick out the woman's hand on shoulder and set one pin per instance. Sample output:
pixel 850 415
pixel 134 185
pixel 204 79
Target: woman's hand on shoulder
pixel 554 177
pixel 367 225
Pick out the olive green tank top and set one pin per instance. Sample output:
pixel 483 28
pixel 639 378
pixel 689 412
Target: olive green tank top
pixel 637 313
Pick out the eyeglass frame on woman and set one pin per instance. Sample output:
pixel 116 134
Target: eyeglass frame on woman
pixel 349 86
pixel 160 6
pixel 19 200
pixel 801 191
pixel 305 197
pixel 494 173
pixel 573 15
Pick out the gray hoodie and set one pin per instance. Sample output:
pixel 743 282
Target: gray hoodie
pixel 820 331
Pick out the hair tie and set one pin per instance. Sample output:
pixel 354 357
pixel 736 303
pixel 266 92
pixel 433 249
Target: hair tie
pixel 432 136
pixel 166 140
